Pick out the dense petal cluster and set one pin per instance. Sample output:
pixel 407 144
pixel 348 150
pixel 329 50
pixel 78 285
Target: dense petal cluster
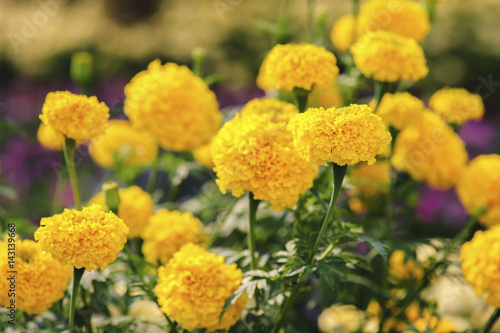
pixel 479 187
pixel 346 135
pixel 457 105
pixel 404 17
pixel 400 109
pixel 254 152
pixel 343 33
pixel 326 98
pixel 167 232
pixel 481 264
pixel 89 238
pixel 40 280
pixel 77 117
pixel 298 66
pixel 123 145
pixel 430 151
pixel 193 287
pixel 49 138
pixel 173 105
pixel 389 57
pixel 135 209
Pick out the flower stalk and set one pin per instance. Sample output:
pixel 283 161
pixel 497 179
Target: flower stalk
pixel 491 322
pixel 252 214
pixel 380 89
pixel 77 277
pixel 153 175
pixel 69 157
pixel 300 96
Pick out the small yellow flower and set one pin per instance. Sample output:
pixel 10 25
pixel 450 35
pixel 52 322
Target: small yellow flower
pixel 298 66
pixel 89 238
pixel 430 151
pixel 49 138
pixel 343 33
pixel 39 280
pixel 172 105
pixel 77 117
pixel 123 145
pixel 135 209
pixel 167 232
pixel 203 155
pixel 254 152
pixel 481 265
pixel 193 287
pixel 479 187
pixel 389 57
pixel 402 269
pixel 326 98
pixel 404 17
pixel 341 318
pixel 457 105
pixel 400 109
pixel 344 136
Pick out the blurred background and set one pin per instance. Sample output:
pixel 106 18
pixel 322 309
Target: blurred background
pixel 39 37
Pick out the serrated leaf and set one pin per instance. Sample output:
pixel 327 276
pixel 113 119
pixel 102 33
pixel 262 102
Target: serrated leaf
pixel 382 249
pixel 232 299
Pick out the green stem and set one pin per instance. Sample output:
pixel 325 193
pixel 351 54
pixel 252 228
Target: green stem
pixel 430 6
pixel 252 213
pixel 355 8
pixel 77 277
pixel 491 322
pixel 153 176
pixel 380 89
pixel 69 157
pixel 301 98
pixel 309 20
pixel 287 305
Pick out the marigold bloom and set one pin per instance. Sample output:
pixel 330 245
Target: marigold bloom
pixel 479 187
pixel 298 66
pixel 49 138
pixel 326 98
pixel 77 117
pixel 343 33
pixel 254 152
pixel 370 180
pixel 135 209
pixel 389 57
pixel 344 136
pixel 457 105
pixel 481 264
pixel 203 155
pixel 404 17
pixel 400 109
pixel 341 318
pixel 195 277
pixel 40 280
pixel 89 238
pixel 402 269
pixel 167 232
pixel 431 152
pixel 123 145
pixel 173 105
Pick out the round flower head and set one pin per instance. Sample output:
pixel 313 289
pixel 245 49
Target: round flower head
pixel 173 105
pixel 89 238
pixel 343 33
pixel 325 98
pixel 77 117
pixel 404 17
pixel 344 136
pixel 400 109
pixel 479 187
pixel 298 66
pixel 457 105
pixel 49 138
pixel 203 155
pixel 167 232
pixel 135 209
pixel 123 145
pixel 481 264
pixel 431 152
pixel 254 152
pixel 193 287
pixel 40 280
pixel 389 57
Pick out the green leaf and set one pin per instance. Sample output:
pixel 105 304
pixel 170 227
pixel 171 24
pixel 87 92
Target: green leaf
pixel 382 249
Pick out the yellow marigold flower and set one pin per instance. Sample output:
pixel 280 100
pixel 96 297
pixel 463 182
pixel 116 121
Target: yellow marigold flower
pixel 400 109
pixel 89 238
pixel 77 117
pixel 49 138
pixel 402 269
pixel 167 232
pixel 433 324
pixel 389 57
pixel 203 155
pixel 135 209
pixel 481 264
pixel 254 152
pixel 39 280
pixel 404 17
pixel 195 277
pixel 341 318
pixel 370 180
pixel 457 105
pixel 431 152
pixel 326 98
pixel 344 136
pixel 298 66
pixel 173 105
pixel 479 187
pixel 343 33
pixel 123 145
